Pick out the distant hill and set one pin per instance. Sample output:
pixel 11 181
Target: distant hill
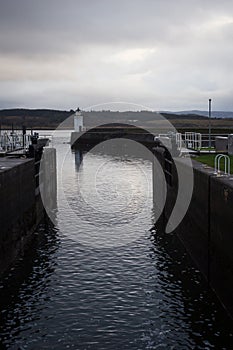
pixel 214 114
pixel 50 119
pixel 33 118
pixel 141 116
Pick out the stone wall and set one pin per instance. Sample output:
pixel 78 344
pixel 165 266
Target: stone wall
pixel 207 228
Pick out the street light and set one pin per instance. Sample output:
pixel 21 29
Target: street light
pixel 209 122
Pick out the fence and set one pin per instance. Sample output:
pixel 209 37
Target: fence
pixel 10 141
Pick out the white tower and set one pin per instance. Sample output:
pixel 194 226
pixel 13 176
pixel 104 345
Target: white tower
pixel 78 121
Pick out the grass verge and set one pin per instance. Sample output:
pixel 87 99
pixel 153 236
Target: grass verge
pixel 208 159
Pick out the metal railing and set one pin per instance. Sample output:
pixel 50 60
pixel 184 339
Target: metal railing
pixel 217 164
pixel 10 141
pixel 179 141
pixel 193 140
pixel 205 139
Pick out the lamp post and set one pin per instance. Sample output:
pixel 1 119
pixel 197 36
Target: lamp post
pixel 209 122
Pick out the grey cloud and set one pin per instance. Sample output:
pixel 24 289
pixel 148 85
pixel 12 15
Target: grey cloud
pixel 78 50
pixel 56 25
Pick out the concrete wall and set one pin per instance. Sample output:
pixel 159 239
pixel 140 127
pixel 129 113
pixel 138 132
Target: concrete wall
pixel 48 181
pixel 17 207
pixel 21 207
pixel 221 239
pixel 193 230
pixel 207 228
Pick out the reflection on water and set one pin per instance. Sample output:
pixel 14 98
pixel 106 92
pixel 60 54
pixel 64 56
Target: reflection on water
pixel 78 158
pixel 145 294
pixel 26 288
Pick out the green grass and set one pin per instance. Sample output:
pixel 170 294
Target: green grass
pixel 208 159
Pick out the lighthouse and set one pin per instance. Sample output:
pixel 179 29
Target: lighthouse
pixel 79 128
pixel 78 121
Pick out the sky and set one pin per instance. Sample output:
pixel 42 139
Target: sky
pixel 158 54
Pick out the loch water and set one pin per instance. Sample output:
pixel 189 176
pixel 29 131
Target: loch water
pixel 104 275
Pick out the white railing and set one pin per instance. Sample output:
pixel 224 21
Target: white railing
pixel 166 138
pixel 217 164
pixel 193 140
pixel 10 141
pixel 179 140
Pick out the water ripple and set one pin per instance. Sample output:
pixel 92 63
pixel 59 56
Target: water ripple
pixel 143 294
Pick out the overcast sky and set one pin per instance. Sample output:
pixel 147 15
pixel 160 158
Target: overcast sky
pixel 164 55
